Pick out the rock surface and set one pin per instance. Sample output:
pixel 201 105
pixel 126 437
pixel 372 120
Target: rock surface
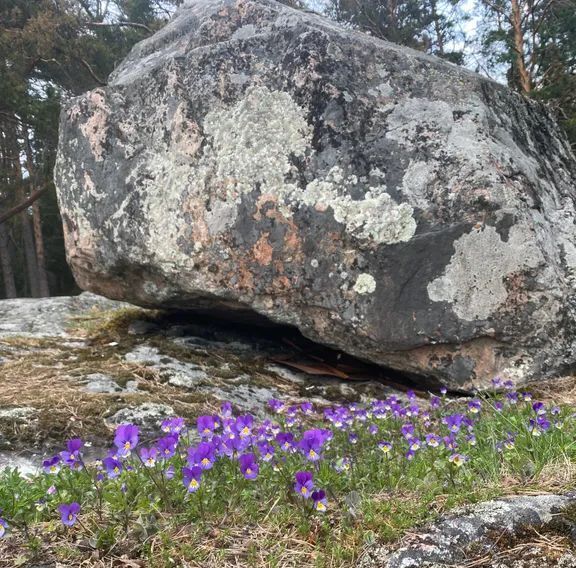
pixel 250 158
pixel 444 543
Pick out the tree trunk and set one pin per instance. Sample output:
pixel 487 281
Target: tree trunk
pixel 525 83
pixel 437 28
pixel 40 252
pixel 6 264
pixel 36 222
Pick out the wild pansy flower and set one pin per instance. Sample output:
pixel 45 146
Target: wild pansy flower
pixel 386 447
pixel 496 382
pixel 113 467
pixel 244 425
pixel 433 440
pixel 312 442
pixel 226 409
pixel 373 429
pixel 539 408
pixel 72 457
pixel 202 455
pixel 509 442
pixel 191 478
pixel 276 405
pixel 307 408
pixel 304 484
pixel 266 451
pixel 69 513
pixel 52 465
pixel 205 425
pixel 409 455
pixel 512 397
pixel 474 406
pixel 126 439
pixel 457 459
pixel 285 440
pixel 342 464
pixel 249 466
pixel 414 444
pixel 471 439
pixel 167 446
pixel 169 472
pixel 407 430
pixel 173 425
pixel 454 422
pixel 526 397
pixel 149 456
pixel 51 490
pixel 353 437
pixel 443 391
pixel 3 527
pixel 319 498
pixel 435 402
pixel 498 406
pixel 508 385
pixel 450 442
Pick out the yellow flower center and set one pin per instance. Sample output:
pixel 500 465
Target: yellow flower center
pixel 127 445
pixel 312 454
pixel 193 483
pixel 304 491
pixel 320 506
pixel 205 461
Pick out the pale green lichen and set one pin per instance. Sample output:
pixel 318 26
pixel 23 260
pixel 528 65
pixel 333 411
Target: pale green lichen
pixel 473 281
pixel 365 284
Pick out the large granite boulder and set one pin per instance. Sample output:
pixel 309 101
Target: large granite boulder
pixel 251 158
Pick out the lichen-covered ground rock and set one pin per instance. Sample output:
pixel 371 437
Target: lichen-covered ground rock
pixel 250 158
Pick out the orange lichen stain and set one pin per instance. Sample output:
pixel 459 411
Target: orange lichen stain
pixel 200 231
pixel 263 251
pixel 185 134
pixel 262 200
pixel 95 128
pixel 281 284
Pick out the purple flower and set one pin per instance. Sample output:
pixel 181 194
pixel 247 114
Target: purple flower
pixel 353 437
pixel 126 439
pixel 304 484
pixel 202 455
pixel 149 456
pixel 319 498
pixel 386 447
pixel 249 466
pixel 276 405
pixel 443 391
pixel 435 402
pixel 342 464
pixel 373 429
pixel 266 450
pixel 512 397
pixel 474 406
pixel 454 422
pixel 3 527
pixel 51 490
pixel 226 409
pixel 433 440
pixel 205 425
pixel 69 513
pixel 498 406
pixel 285 440
pixel 307 408
pixel 538 408
pixel 244 425
pixel 167 446
pixel 312 442
pixel 173 425
pixel 191 478
pixel 170 471
pixel 113 467
pixel 52 465
pixel 72 457
pixel 457 459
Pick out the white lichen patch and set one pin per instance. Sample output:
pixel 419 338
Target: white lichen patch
pixel 365 284
pixel 252 141
pixel 473 282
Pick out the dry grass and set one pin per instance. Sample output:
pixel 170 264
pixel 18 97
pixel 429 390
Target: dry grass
pixel 47 377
